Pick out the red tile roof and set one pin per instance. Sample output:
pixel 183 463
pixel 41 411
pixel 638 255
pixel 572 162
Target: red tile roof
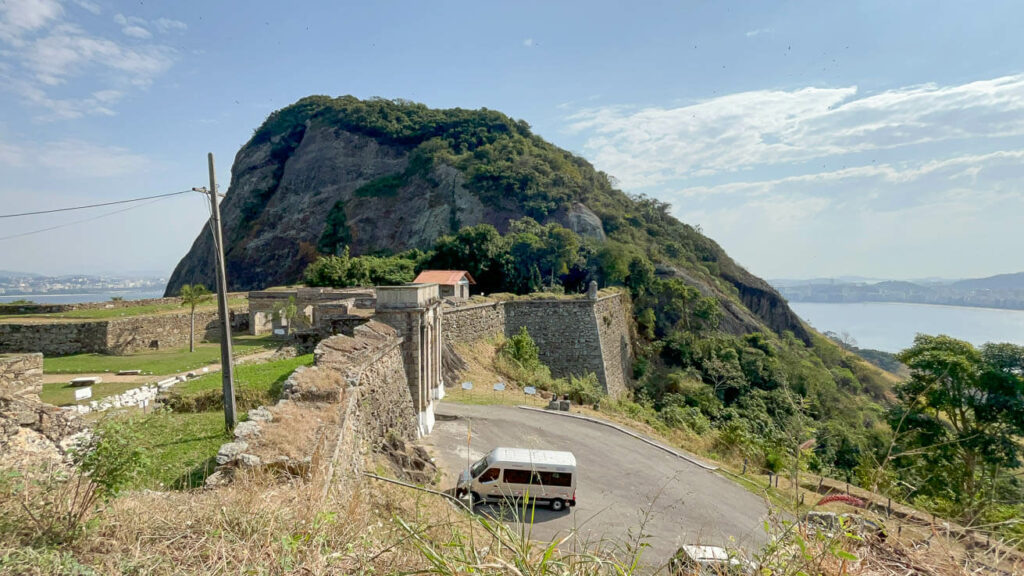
pixel 446 277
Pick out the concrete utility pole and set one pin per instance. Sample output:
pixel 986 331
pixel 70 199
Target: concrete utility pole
pixel 227 370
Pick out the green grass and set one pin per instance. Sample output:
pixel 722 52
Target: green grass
pixel 180 448
pixel 62 393
pixel 248 376
pixel 158 363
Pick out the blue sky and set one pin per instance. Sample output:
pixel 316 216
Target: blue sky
pixel 810 139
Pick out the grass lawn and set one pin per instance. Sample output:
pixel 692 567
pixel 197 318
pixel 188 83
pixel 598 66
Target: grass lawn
pixel 128 311
pixel 158 363
pixel 180 448
pixel 264 378
pixel 62 393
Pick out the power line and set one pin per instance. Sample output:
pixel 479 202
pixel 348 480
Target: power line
pixel 94 205
pixel 65 225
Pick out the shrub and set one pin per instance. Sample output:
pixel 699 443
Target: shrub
pixel 522 349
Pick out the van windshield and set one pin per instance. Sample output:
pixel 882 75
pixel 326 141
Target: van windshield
pixel 479 467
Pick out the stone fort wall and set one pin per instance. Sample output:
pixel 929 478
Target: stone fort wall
pixel 355 398
pixel 114 336
pixel 575 336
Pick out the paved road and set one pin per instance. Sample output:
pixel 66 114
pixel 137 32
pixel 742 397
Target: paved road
pixel 619 477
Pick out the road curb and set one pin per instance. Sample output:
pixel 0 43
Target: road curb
pixel 676 453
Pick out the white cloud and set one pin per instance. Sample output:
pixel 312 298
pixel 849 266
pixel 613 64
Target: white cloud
pixel 166 25
pixel 759 31
pixel 89 6
pixel 949 216
pixel 528 42
pixel 650 146
pixel 18 17
pixel 45 50
pixel 73 158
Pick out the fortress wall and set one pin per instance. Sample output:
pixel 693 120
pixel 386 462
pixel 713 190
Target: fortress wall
pixel 473 322
pixel 575 336
pixel 613 316
pixel 565 332
pixel 54 339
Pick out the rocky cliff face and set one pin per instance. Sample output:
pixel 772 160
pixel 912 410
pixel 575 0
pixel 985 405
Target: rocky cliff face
pixel 381 176
pixel 283 208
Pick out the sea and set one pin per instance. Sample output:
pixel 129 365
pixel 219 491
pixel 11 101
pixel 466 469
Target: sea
pixel 85 296
pixel 891 326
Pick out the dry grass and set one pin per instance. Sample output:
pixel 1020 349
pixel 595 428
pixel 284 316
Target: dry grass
pixel 295 431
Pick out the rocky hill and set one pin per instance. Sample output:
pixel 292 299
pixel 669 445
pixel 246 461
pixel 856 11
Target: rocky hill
pixel 385 176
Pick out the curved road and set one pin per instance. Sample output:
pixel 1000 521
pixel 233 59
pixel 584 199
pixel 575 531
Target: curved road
pixel 619 478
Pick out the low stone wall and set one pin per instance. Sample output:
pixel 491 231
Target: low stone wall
pixel 114 336
pixel 56 339
pixel 32 434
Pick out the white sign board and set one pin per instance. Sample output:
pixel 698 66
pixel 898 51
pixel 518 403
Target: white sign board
pixel 530 390
pixel 499 386
pixel 467 385
pixel 279 332
pixel 83 393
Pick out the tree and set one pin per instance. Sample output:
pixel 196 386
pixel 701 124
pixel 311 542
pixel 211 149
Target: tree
pixel 963 410
pixel 193 295
pixel 287 313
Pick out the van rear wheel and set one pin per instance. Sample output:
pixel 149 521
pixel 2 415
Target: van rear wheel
pixel 474 498
pixel 558 505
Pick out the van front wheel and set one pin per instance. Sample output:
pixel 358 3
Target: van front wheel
pixel 557 505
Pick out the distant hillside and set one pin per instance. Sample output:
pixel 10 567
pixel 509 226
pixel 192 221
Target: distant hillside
pixel 1002 291
pixel 381 176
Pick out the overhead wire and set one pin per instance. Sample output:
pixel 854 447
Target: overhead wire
pixel 68 209
pixel 154 200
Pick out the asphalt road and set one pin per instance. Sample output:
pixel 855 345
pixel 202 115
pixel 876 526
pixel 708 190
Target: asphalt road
pixel 620 479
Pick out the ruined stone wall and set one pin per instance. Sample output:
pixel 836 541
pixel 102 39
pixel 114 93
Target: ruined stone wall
pixel 21 375
pixel 473 322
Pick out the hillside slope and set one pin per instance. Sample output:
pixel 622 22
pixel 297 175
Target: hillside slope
pixel 386 176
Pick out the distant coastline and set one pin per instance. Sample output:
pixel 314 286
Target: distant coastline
pixel 75 298
pixel 1003 292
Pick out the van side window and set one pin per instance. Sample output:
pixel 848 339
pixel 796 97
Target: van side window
pixel 554 479
pixel 517 476
pixel 490 475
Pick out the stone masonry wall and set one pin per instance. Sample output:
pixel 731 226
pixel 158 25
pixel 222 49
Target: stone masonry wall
pixel 354 399
pixel 473 322
pixel 21 375
pixel 565 332
pixel 575 336
pixel 613 324
pixel 55 339
pixel 114 336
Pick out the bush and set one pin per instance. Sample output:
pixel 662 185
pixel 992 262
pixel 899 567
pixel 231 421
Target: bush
pixel 522 349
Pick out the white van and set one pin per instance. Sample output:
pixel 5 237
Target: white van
pixel 547 476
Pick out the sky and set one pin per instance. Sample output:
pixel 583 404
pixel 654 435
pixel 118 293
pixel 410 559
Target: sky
pixel 809 139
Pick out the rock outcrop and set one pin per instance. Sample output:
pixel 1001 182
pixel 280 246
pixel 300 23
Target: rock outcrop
pixel 382 177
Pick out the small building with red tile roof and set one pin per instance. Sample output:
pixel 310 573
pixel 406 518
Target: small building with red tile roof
pixel 454 283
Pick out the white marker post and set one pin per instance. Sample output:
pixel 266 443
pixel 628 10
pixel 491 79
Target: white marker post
pixel 83 394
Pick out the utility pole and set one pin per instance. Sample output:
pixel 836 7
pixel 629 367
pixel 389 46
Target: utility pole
pixel 227 369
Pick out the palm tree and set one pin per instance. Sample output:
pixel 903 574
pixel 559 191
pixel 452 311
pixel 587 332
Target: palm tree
pixel 193 295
